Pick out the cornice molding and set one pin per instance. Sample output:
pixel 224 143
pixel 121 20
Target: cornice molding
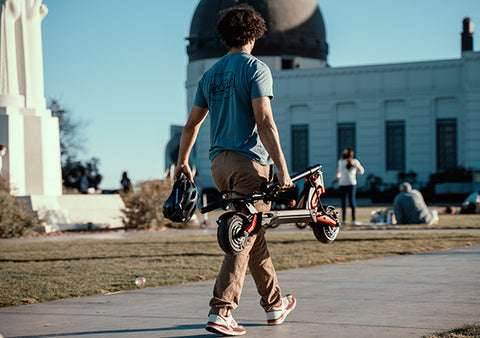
pixel 381 68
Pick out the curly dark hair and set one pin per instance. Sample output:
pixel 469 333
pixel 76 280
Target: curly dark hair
pixel 240 25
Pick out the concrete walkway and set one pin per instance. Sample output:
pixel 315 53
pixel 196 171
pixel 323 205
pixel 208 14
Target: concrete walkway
pixel 401 296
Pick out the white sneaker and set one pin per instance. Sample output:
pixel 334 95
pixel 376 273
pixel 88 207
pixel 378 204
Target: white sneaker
pixel 277 314
pixel 224 325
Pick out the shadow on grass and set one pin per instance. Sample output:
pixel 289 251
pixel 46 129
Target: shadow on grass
pixel 68 259
pixel 346 240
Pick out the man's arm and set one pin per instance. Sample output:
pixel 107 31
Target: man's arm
pixel 268 132
pixel 189 136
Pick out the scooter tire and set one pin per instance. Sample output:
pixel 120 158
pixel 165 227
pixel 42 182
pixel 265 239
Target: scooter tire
pixel 324 233
pixel 230 232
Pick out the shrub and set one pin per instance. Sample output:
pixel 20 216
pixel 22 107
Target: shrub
pixel 144 207
pixel 15 219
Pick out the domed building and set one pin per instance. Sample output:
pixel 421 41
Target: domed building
pixel 420 117
pixel 295 30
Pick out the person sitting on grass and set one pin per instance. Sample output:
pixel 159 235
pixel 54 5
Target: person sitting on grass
pixel 471 205
pixel 410 207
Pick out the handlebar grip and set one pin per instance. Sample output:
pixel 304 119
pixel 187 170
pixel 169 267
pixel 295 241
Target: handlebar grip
pixel 269 187
pixel 265 187
pixel 210 207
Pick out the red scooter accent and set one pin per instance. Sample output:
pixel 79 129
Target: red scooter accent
pixel 327 220
pixel 251 226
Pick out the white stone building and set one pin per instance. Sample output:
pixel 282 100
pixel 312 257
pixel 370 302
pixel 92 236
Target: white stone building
pixel 421 117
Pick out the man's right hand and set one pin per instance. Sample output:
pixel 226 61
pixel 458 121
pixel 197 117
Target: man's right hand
pixel 284 179
pixel 184 168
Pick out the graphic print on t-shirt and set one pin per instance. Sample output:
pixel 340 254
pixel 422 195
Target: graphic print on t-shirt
pixel 222 86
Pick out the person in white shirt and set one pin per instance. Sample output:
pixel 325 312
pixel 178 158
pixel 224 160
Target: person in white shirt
pixel 348 167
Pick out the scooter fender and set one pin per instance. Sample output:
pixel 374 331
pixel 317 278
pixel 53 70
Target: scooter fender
pixel 322 218
pixel 249 227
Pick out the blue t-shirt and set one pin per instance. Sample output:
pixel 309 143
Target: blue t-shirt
pixel 227 90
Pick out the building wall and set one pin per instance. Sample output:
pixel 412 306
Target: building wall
pixel 417 93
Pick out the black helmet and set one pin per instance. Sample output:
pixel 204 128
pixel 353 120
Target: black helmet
pixel 183 200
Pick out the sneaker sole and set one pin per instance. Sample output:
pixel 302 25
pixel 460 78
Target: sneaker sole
pixel 219 329
pixel 282 318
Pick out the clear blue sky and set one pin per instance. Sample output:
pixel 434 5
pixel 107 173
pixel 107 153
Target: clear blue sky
pixel 120 66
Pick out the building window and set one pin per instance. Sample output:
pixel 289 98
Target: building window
pixel 300 148
pixel 287 63
pixel 446 144
pixel 395 145
pixel 345 137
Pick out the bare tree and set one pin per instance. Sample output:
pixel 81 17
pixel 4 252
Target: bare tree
pixel 71 144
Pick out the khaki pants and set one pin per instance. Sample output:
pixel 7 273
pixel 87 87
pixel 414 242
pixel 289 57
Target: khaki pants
pixel 231 171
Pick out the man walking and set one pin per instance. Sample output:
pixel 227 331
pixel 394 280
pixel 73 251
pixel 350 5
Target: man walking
pixel 244 141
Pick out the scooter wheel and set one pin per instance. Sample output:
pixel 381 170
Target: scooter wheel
pixel 324 233
pixel 230 232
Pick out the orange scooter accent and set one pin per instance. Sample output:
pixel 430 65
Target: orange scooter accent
pixel 251 226
pixel 327 220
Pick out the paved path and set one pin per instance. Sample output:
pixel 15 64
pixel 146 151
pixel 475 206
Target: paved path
pixel 401 296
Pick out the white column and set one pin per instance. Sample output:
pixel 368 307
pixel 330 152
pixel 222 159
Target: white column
pixel 10 12
pixel 32 46
pixel 27 128
pixel 11 136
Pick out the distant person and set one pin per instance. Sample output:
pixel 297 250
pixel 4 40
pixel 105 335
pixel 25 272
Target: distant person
pixel 471 205
pixel 410 207
pixel 84 183
pixel 3 152
pixel 347 169
pixel 126 183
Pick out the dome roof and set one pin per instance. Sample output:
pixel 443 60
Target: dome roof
pixel 294 28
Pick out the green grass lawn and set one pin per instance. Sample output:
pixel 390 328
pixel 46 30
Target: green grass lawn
pixel 44 271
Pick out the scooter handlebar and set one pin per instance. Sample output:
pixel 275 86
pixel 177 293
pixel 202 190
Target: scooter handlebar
pixel 306 172
pixel 210 207
pixel 269 188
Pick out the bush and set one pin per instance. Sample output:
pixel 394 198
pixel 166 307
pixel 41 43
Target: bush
pixel 144 207
pixel 15 219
